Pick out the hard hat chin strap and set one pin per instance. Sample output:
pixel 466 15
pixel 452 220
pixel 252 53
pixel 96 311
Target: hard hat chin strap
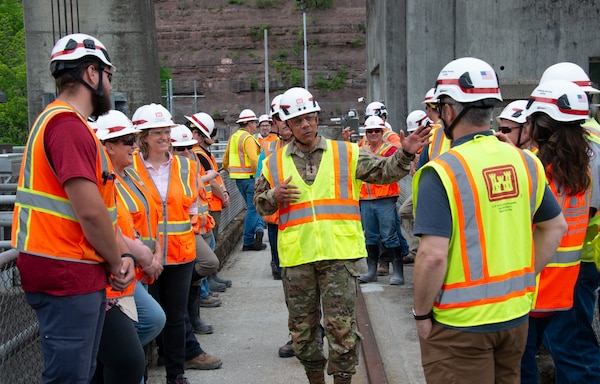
pixel 448 128
pixel 98 92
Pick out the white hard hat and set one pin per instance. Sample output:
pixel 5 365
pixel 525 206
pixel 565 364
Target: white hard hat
pixel 373 122
pixel 514 111
pixel 297 101
pixel 375 108
pixel 562 100
pixel 415 119
pixel 114 124
pixel 429 97
pixel 247 115
pixel 203 122
pixel 181 136
pixel 469 81
pixel 569 72
pixel 152 116
pixel 275 105
pixel 70 49
pixel 264 118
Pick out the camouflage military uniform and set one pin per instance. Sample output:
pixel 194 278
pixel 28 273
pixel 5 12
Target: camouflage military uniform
pixel 328 285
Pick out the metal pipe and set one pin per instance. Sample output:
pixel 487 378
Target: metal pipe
pixel 267 98
pixel 305 49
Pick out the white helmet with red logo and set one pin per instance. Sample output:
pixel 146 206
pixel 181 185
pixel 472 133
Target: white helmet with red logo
pixel 264 118
pixel 152 116
pixel 69 51
pixel 114 124
pixel 429 97
pixel 373 122
pixel 376 108
pixel 469 81
pixel 514 111
pixel 562 100
pixel 181 136
pixel 203 122
pixel 417 118
pixel 274 111
pixel 297 101
pixel 247 115
pixel 569 72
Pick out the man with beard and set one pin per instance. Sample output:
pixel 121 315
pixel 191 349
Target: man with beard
pixel 64 218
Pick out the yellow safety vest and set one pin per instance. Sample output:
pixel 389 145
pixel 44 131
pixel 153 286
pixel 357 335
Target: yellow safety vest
pixel 491 186
pixel 438 143
pixel 324 224
pixel 239 162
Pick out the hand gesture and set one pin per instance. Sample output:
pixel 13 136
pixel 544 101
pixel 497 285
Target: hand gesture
pixel 286 192
pixel 416 140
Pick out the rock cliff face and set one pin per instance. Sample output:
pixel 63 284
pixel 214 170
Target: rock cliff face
pixel 217 48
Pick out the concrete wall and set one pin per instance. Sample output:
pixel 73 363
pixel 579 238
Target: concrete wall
pixel 519 38
pixel 126 28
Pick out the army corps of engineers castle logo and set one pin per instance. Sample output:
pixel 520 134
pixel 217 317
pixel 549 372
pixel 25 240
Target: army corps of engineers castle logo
pixel 501 182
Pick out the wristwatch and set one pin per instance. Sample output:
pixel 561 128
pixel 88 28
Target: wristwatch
pixel 422 317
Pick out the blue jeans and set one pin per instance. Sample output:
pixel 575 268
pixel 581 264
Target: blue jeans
pixel 570 338
pixel 151 317
pixel 204 288
pixel 70 332
pixel 529 369
pixel 273 229
pixel 253 220
pixel 379 222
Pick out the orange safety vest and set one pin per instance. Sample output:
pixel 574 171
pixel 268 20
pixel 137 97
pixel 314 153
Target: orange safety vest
pixel 239 162
pixel 370 191
pixel 179 246
pixel 388 135
pixel 324 224
pixel 438 143
pixel 214 203
pixel 556 282
pixel 202 222
pixel 125 223
pixel 44 223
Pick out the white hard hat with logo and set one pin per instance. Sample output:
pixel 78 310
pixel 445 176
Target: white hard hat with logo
pixel 152 116
pixel 514 111
pixel 203 121
pixel 415 119
pixel 297 101
pixel 569 72
pixel 114 124
pixel 69 51
pixel 560 99
pixel 246 115
pixel 181 136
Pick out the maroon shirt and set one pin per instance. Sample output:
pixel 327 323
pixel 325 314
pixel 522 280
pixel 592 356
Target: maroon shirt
pixel 71 151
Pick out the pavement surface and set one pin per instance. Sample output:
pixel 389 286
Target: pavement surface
pixel 251 325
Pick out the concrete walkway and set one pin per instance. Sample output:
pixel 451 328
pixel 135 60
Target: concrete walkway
pixel 251 325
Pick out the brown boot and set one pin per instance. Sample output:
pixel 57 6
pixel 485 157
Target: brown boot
pixel 342 378
pixel 384 268
pixel 315 377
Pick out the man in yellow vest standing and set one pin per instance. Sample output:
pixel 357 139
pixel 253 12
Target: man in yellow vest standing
pixel 241 161
pixel 64 222
pixel 314 183
pixel 473 289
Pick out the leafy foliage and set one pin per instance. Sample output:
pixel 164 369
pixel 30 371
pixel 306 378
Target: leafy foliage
pixel 13 74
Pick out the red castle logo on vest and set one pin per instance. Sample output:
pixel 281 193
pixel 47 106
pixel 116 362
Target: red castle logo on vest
pixel 501 182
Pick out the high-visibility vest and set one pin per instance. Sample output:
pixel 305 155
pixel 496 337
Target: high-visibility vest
pixel 438 142
pixel 179 246
pixel 44 223
pixel 214 203
pixel 202 222
pixel 370 191
pixel 556 282
pixel 324 224
pixel 269 149
pixel 271 137
pixel 493 189
pixel 239 162
pixel 125 222
pixel 388 135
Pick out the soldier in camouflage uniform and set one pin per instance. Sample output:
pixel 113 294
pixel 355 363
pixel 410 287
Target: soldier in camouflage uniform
pixel 314 183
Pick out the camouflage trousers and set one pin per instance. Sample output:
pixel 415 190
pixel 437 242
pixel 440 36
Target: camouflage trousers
pixel 328 287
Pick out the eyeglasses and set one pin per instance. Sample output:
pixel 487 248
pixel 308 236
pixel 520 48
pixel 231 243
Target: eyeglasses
pixel 160 132
pixel 213 133
pixel 431 105
pixel 183 149
pixel 310 118
pixel 440 105
pixel 128 140
pixel 506 130
pixel 376 130
pixel 109 75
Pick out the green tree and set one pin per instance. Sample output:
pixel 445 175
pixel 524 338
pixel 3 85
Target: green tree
pixel 13 74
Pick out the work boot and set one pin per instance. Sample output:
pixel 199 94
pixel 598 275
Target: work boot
pixel 287 350
pixel 210 302
pixel 315 377
pixel 274 271
pixel 342 378
pixel 222 281
pixel 203 361
pixel 254 247
pixel 398 275
pixel 258 236
pixel 384 268
pixel 372 258
pixel 193 308
pixel 215 285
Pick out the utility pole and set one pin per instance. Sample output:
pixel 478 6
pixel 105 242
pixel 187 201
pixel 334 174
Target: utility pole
pixel 303 5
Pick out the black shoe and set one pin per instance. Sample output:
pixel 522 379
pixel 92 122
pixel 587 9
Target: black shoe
pixel 254 247
pixel 258 236
pixel 287 350
pixel 222 281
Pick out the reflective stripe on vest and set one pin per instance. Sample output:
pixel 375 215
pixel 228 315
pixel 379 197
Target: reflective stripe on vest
pixel 370 191
pixel 439 143
pixel 487 281
pixel 241 167
pixel 325 222
pixel 42 205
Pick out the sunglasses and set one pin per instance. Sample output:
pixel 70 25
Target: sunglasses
pixel 506 130
pixel 376 130
pixel 182 149
pixel 129 140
